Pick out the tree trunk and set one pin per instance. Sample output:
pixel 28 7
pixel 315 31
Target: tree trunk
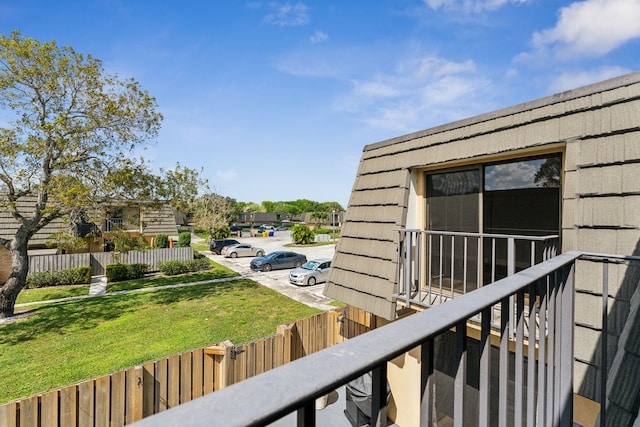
pixel 17 280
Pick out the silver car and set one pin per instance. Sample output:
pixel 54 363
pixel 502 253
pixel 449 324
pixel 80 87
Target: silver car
pixel 311 272
pixel 242 249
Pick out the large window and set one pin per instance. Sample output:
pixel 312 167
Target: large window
pixel 517 197
pixel 522 197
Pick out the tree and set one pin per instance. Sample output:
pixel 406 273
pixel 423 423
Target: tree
pixel 213 212
pixel 70 129
pixel 302 234
pixel 181 186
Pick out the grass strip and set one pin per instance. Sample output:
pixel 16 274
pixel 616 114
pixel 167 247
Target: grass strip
pixel 49 293
pixel 217 272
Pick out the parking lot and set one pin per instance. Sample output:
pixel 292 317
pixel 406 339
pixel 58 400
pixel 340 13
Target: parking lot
pixel 279 279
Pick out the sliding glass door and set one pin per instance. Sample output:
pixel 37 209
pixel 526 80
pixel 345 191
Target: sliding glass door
pixel 515 197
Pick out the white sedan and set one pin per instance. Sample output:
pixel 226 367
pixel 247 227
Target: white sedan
pixel 242 249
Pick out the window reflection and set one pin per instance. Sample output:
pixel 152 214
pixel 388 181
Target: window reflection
pixel 535 173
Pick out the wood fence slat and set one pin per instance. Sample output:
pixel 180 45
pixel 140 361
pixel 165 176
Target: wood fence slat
pixel 134 394
pixel 29 411
pixel 102 402
pixel 259 356
pixel 173 381
pixel 251 360
pixel 9 414
pixel 49 409
pixel 208 373
pixel 86 403
pixel 197 381
pixel 268 352
pixel 162 385
pixel 240 365
pixel 185 377
pixel 118 385
pixel 68 406
pixel 149 402
pixel 226 368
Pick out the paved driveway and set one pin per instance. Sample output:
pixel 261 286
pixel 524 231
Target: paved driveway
pixel 279 279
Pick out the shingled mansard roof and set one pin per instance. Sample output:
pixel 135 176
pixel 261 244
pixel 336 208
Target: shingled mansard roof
pixel 156 220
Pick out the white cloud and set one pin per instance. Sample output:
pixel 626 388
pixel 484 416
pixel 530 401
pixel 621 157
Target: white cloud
pixel 573 79
pixel 418 91
pixel 318 37
pixel 227 175
pixel 288 15
pixel 475 6
pixel 591 28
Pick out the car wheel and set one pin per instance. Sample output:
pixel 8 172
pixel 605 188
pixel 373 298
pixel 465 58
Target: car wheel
pixel 234 255
pixel 266 267
pixel 259 253
pixel 311 281
pixel 297 264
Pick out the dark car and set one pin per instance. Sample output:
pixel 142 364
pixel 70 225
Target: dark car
pixel 217 245
pixel 235 228
pixel 278 260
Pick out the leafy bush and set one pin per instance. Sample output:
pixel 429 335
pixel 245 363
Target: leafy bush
pixel 221 233
pixel 198 255
pixel 198 264
pixel 301 234
pixel 118 272
pixel 161 241
pixel 71 276
pixel 322 231
pixel 184 239
pixel 173 267
pixel 123 241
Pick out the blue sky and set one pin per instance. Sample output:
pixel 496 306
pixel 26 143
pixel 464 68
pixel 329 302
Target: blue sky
pixel 276 99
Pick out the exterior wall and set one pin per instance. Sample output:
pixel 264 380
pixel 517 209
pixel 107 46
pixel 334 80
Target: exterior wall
pixel 598 129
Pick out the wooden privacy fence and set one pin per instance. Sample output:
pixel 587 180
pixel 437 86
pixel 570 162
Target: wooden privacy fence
pixel 98 261
pixel 129 395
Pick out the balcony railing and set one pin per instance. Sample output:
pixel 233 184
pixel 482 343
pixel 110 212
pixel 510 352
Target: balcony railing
pixel 437 266
pixel 531 385
pixel 113 224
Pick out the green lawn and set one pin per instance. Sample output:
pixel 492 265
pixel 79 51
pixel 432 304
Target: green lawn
pixel 63 343
pixel 54 292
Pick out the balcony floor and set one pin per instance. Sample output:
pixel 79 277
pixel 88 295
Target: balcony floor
pixel 332 415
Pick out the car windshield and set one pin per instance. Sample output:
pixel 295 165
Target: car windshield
pixel 310 265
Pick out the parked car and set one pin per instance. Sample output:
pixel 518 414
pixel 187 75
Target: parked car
pixel 281 228
pixel 235 228
pixel 242 249
pixel 265 227
pixel 217 245
pixel 278 260
pixel 311 272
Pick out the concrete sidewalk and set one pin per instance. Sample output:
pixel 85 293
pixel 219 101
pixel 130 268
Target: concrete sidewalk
pixel 98 286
